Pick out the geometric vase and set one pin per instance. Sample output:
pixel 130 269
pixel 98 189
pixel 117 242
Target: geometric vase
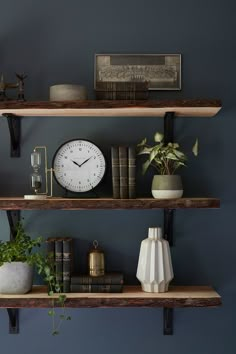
pixel 154 269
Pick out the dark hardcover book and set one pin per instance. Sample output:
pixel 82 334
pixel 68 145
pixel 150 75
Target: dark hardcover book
pixel 116 86
pixel 107 279
pixel 95 288
pixel 59 260
pixel 132 172
pixel 123 167
pixel 122 95
pixel 50 244
pixel 66 263
pixel 115 172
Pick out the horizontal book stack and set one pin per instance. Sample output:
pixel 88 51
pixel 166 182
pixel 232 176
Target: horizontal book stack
pixel 123 162
pixel 111 90
pixel 107 283
pixel 60 251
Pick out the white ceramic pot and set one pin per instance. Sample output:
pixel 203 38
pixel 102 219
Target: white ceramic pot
pixel 167 186
pixel 67 92
pixel 16 278
pixel 154 265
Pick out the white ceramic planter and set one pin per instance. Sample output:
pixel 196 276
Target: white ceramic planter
pixel 16 278
pixel 154 266
pixel 167 186
pixel 67 92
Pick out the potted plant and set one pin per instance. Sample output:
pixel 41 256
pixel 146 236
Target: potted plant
pixel 166 159
pixel 18 259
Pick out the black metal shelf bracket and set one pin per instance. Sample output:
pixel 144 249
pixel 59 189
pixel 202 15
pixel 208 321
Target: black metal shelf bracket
pixel 14 125
pixel 168 321
pixel 13 219
pixel 168 313
pixel 13 315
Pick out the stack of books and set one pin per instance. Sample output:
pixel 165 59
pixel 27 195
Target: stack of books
pixel 114 90
pixel 107 283
pixel 59 250
pixel 123 162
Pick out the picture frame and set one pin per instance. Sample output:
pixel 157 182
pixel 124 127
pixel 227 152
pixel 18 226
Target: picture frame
pixel 160 71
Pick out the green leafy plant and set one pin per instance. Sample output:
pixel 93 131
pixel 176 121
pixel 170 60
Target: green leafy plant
pixel 165 158
pixel 24 249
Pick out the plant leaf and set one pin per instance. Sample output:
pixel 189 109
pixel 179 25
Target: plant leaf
pixel 158 137
pixel 145 150
pixel 195 148
pixel 143 142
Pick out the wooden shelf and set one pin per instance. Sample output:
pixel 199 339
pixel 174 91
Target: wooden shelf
pixel 133 296
pixel 106 203
pixel 96 108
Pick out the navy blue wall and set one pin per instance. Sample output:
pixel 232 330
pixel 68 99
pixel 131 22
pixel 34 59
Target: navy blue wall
pixel 54 41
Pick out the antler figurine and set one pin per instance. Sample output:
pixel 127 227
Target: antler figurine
pixel 20 85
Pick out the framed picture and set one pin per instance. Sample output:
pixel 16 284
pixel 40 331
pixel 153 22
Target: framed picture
pixel 159 71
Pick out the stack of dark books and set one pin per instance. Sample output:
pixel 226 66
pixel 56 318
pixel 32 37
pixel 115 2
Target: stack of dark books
pixel 107 283
pixel 123 162
pixel 133 90
pixel 59 250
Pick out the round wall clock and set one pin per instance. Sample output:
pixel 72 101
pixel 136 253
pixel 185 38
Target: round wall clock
pixel 79 165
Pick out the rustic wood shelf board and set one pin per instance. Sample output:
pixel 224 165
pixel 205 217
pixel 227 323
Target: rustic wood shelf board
pixel 133 296
pixel 97 108
pixel 106 203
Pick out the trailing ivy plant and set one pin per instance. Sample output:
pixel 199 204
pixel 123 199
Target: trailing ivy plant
pixel 24 249
pixel 166 159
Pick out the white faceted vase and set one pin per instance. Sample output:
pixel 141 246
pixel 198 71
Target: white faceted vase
pixel 154 265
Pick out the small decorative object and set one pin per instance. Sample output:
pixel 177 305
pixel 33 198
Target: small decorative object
pixel 17 259
pixel 166 159
pixel 154 265
pixel 19 85
pixel 79 165
pixel 96 262
pixel 68 92
pixel 159 71
pixel 36 177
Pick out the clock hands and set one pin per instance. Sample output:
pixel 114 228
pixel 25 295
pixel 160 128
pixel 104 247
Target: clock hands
pixel 85 161
pixel 79 165
pixel 75 163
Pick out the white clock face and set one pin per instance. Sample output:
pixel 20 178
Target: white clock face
pixel 79 165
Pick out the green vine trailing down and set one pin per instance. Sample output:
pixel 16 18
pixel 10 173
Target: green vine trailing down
pixel 20 249
pixel 165 158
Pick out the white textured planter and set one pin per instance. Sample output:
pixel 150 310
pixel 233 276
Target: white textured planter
pixel 154 266
pixel 167 186
pixel 16 278
pixel 67 92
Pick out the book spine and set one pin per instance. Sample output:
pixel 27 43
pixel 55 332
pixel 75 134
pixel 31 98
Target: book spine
pixel 66 267
pixel 123 167
pixel 132 172
pixel 115 172
pixel 116 279
pixel 50 246
pixel 94 288
pixel 59 260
